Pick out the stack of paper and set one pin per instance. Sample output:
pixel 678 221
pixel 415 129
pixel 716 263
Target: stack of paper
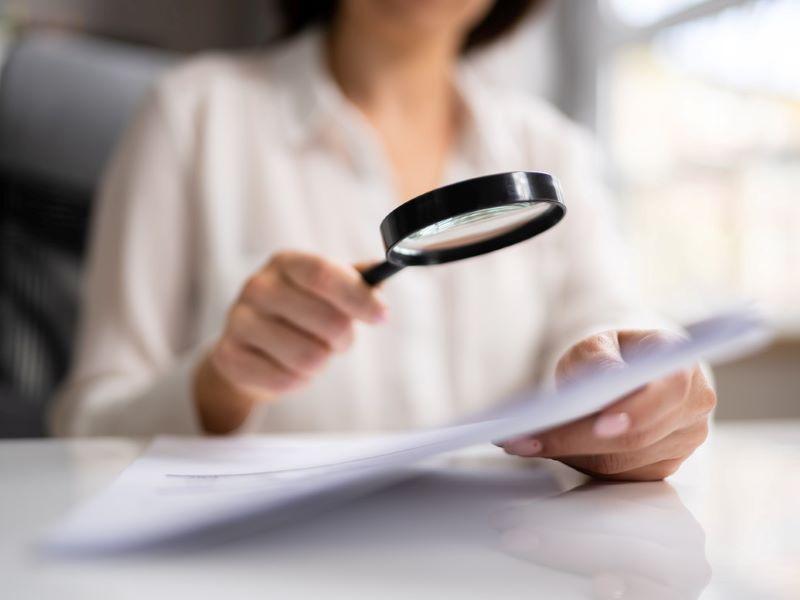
pixel 185 489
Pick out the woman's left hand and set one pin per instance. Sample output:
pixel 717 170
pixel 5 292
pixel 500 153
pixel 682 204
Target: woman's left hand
pixel 645 435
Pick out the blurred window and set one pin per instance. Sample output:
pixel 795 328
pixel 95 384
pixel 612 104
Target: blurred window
pixel 645 12
pixel 701 114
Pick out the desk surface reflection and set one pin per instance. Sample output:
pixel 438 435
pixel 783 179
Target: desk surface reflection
pixel 474 526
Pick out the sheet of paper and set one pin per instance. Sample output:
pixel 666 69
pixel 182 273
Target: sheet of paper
pixel 183 488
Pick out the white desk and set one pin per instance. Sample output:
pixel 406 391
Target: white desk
pixel 482 526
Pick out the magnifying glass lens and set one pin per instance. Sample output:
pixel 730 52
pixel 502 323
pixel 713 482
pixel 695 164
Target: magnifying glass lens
pixel 470 228
pixel 467 218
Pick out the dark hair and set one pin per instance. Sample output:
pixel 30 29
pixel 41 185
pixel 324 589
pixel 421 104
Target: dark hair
pixel 501 18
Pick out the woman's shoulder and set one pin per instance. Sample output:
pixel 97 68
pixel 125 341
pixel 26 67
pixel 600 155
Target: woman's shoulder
pixel 263 69
pixel 236 87
pixel 229 89
pixel 210 75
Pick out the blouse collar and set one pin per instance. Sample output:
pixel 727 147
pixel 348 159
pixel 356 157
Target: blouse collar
pixel 312 102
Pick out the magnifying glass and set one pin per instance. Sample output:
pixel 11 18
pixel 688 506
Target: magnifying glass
pixel 466 219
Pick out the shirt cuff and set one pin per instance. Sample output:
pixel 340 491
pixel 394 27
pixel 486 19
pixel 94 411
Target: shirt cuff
pixel 167 406
pixel 162 405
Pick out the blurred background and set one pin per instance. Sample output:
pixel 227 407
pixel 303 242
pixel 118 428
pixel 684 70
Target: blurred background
pixel 696 104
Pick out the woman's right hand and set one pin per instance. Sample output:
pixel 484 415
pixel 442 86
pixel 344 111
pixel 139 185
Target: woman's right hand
pixel 290 317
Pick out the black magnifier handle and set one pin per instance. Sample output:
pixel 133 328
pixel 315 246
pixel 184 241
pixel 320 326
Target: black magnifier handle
pixel 374 275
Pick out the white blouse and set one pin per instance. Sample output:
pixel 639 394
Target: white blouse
pixel 233 158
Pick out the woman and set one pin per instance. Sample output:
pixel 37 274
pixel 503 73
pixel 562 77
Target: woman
pixel 222 294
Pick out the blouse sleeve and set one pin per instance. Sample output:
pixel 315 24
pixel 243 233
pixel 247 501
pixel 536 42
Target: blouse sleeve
pixel 132 365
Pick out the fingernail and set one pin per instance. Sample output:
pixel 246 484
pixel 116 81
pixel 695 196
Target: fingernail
pixel 524 446
pixel 608 426
pixel 532 447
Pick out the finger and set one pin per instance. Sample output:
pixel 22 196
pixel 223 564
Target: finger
pixel 655 472
pixel 676 446
pixel 597 352
pixel 702 397
pixel 340 285
pixel 608 350
pixel 294 349
pixel 247 367
pixel 646 407
pixel 635 422
pixel 302 309
pixel 635 342
pixel 581 437
pixel 680 398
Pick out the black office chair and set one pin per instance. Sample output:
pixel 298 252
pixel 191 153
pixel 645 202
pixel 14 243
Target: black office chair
pixel 63 103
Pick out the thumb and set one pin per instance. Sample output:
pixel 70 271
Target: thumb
pixel 596 353
pixel 642 342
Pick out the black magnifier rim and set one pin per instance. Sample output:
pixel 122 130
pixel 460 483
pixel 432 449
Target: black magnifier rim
pixel 488 191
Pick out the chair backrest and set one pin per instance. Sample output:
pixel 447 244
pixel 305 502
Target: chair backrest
pixel 64 101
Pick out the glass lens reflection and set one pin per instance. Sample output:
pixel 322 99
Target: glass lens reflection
pixel 470 228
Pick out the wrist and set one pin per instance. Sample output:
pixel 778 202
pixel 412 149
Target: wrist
pixel 222 407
